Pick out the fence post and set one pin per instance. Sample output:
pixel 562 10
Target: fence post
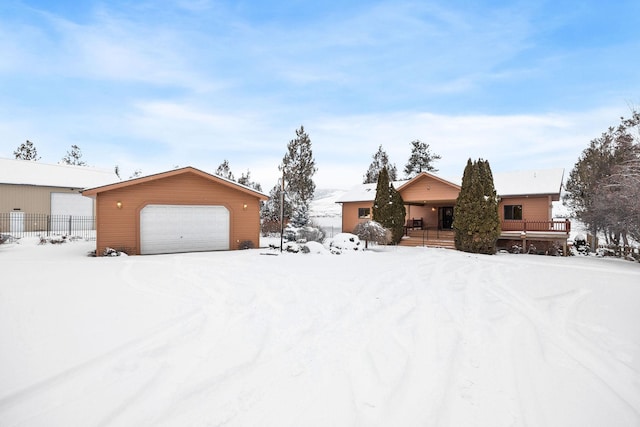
pixel 70 225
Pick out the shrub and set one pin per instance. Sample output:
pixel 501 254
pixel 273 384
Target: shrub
pixel 372 231
pixel 246 244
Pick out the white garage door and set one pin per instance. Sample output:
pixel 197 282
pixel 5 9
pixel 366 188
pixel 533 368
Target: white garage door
pixel 179 228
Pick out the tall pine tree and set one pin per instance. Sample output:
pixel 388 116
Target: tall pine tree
pixel 73 157
pixel 299 167
pixel 224 171
pixel 420 160
pixel 380 160
pixel 245 179
pixel 26 151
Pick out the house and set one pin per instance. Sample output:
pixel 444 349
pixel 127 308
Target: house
pixel 182 210
pixel 525 208
pixel 32 193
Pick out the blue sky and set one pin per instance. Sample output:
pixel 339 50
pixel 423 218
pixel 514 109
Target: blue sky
pixel 151 85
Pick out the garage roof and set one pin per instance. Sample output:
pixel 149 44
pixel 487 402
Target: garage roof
pixel 27 172
pixel 92 192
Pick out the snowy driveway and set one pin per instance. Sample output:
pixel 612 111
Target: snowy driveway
pixel 395 337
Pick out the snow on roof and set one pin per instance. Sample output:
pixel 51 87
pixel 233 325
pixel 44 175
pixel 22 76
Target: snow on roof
pixel 529 182
pixel 91 191
pixel 520 183
pixel 27 172
pixel 364 192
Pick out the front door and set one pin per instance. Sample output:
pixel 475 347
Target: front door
pixel 445 215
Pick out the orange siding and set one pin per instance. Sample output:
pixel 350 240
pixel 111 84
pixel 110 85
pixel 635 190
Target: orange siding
pixel 429 216
pixel 120 228
pixel 533 208
pixel 436 194
pixel 350 215
pixel 428 189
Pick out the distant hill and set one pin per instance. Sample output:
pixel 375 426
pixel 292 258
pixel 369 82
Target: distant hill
pixel 325 211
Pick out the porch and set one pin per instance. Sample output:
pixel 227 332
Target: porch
pixel 420 234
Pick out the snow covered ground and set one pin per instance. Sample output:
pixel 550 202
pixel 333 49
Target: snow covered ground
pixel 386 337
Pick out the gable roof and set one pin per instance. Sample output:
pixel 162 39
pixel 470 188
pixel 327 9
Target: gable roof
pixel 27 172
pixel 92 192
pixel 427 175
pixel 517 183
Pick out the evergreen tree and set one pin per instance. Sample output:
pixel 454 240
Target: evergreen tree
pixel 224 171
pixel 380 211
pixel 245 179
pixel 271 209
pixel 26 151
pixel 300 217
pixel 73 157
pixel 298 165
pixel 476 222
pixel 397 215
pixel 380 161
pixel 420 160
pixel 388 207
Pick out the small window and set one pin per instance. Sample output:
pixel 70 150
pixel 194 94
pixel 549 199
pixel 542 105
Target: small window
pixel 513 212
pixel 364 212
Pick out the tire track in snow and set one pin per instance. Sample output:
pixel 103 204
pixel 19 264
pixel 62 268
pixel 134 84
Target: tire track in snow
pixel 622 381
pixel 86 378
pixel 477 389
pixel 137 360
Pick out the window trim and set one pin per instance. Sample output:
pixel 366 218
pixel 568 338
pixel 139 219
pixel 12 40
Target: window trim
pixel 367 215
pixel 512 210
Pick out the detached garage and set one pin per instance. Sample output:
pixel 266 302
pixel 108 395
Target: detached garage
pixel 183 210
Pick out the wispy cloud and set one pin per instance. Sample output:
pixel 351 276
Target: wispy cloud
pixel 198 81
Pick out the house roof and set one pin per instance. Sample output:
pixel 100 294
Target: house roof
pixel 92 192
pixel 517 183
pixel 529 182
pixel 364 192
pixel 27 172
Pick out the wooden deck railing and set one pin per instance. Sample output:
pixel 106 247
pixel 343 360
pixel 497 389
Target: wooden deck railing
pixel 552 226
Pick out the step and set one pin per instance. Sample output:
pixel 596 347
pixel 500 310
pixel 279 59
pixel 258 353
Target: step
pixel 434 243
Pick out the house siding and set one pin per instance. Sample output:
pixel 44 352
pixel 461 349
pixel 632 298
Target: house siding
pixel 29 198
pixel 350 215
pixel 120 228
pixel 533 208
pixel 428 189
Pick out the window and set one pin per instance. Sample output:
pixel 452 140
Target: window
pixel 513 212
pixel 364 212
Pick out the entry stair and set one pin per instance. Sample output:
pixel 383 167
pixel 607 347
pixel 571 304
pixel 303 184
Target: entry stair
pixel 431 238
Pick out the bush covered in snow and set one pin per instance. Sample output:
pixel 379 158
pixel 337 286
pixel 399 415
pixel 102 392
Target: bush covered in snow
pixel 344 242
pixel 113 252
pixel 372 231
pixel 4 238
pixel 308 233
